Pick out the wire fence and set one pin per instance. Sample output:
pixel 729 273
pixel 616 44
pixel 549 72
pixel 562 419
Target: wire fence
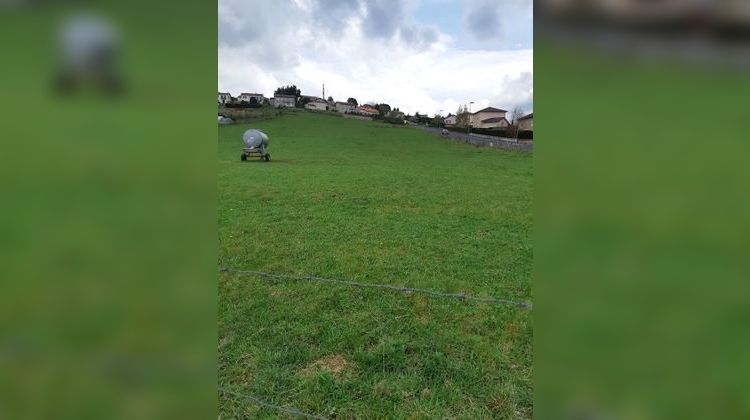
pixel 266 404
pixel 352 283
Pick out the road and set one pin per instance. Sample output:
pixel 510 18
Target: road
pixel 475 140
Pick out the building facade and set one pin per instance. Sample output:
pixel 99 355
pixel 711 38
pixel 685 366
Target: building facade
pixel 245 97
pixel 225 98
pixel 489 118
pixel 284 101
pixel 367 110
pixel 526 123
pixel 343 107
pixel 317 105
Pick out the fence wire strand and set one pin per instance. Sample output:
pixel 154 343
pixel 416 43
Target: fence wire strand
pixel 263 403
pixel 433 293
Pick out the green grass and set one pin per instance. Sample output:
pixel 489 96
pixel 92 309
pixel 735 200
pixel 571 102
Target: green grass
pixel 380 204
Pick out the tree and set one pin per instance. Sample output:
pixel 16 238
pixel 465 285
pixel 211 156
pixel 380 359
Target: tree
pixel 383 109
pixel 290 90
pixel 462 116
pixel 352 101
pixel 515 115
pixel 330 99
pixel 253 102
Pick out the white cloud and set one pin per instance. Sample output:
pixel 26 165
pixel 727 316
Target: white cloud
pixel 414 67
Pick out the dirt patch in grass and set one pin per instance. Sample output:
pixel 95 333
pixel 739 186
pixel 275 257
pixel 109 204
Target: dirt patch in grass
pixel 334 364
pixel 226 340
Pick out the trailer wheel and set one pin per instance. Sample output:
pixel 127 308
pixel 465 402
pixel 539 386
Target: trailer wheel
pixel 243 157
pixel 267 157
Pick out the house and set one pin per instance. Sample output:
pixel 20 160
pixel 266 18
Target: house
pixel 418 118
pixel 343 107
pixel 225 98
pixel 317 105
pixel 284 101
pixel 526 123
pixel 246 97
pixel 489 118
pixel 494 122
pixel 396 114
pixel 367 110
pixel 450 120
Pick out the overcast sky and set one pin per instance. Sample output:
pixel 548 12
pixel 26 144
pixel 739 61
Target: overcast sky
pixel 418 55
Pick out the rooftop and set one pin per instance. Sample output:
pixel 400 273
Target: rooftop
pixel 492 120
pixel 490 109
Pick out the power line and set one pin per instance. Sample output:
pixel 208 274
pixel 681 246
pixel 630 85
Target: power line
pixel 262 403
pixel 433 293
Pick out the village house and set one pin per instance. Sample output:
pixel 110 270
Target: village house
pixel 417 118
pixel 526 123
pixel 489 118
pixel 284 101
pixel 343 107
pixel 317 104
pixel 450 120
pixel 225 98
pixel 245 97
pixel 367 110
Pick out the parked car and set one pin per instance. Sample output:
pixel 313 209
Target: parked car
pixel 444 132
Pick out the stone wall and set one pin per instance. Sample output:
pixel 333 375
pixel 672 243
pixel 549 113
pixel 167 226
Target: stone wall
pixel 489 141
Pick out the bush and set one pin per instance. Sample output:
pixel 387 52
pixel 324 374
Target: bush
pixel 244 104
pixel 497 132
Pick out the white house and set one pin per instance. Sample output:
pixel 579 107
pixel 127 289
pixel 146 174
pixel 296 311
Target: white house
pixel 225 98
pixel 246 97
pixel 494 122
pixel 489 118
pixel 309 98
pixel 526 123
pixel 343 107
pixel 284 101
pixel 450 120
pixel 317 105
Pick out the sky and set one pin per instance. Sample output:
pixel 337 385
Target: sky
pixel 418 55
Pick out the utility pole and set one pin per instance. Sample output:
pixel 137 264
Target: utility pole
pixel 324 91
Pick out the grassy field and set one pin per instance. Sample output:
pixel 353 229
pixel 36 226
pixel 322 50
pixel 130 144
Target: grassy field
pixel 365 201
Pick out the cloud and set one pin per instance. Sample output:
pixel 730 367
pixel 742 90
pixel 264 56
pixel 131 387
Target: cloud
pixel 483 19
pixel 332 14
pixel 383 18
pixel 382 56
pixel 499 23
pixel 419 37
